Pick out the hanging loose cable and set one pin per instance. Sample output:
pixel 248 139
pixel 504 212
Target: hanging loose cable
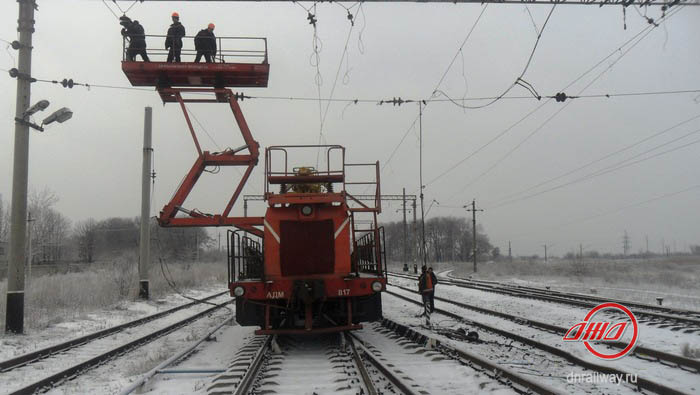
pixel 522 74
pixel 638 37
pixel 543 124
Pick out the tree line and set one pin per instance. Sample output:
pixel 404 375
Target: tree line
pixel 55 238
pixel 446 239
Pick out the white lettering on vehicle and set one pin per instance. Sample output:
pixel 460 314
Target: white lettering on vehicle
pixel 344 292
pixel 275 295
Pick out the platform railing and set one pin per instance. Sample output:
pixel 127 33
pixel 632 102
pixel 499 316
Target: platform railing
pixel 245 256
pixel 278 170
pixel 228 49
pixel 357 204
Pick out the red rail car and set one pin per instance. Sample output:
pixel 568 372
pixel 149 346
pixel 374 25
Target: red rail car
pixel 318 267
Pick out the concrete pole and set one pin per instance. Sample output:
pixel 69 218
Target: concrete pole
pixel 145 244
pixel 14 313
pixel 510 252
pixel 29 247
pixel 545 253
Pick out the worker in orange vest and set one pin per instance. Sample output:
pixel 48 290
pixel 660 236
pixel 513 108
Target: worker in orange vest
pixel 426 287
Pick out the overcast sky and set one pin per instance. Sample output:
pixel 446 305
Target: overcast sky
pixel 93 162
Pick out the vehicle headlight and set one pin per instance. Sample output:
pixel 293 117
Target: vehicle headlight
pixel 238 291
pixel 307 210
pixel 376 286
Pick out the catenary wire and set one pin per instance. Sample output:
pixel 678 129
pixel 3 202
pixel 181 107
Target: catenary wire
pixel 508 129
pixel 617 166
pixel 543 124
pixel 609 155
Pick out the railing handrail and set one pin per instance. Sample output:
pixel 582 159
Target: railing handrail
pixel 225 46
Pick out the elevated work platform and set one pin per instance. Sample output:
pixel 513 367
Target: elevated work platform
pixel 237 62
pixel 187 74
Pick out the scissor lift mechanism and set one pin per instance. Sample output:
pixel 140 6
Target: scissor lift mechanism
pixel 192 78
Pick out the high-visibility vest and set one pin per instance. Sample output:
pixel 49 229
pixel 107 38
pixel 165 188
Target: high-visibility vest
pixel 428 283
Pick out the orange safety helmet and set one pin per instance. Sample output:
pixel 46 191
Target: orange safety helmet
pixel 175 15
pixel 211 26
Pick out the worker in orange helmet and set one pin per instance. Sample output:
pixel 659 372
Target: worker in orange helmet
pixel 173 41
pixel 205 44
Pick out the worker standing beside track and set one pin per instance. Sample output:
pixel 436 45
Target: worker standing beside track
pixel 173 42
pixel 434 280
pixel 426 287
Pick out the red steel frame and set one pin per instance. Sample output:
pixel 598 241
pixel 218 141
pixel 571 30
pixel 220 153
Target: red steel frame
pixel 206 158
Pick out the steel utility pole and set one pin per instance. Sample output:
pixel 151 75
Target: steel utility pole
pixel 405 226
pixel 473 210
pixel 422 209
pixel 145 243
pixel 14 314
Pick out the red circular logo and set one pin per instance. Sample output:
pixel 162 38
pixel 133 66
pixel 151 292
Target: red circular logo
pixel 635 326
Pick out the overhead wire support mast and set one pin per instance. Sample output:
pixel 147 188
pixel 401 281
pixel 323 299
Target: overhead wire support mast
pixel 473 209
pixel 667 3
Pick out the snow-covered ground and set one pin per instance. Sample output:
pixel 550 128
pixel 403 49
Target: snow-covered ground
pixel 436 374
pixel 652 337
pixel 562 315
pixel 14 345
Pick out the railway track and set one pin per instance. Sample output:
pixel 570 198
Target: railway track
pixel 38 355
pixel 692 365
pixel 327 364
pixel 529 340
pixel 687 321
pixel 45 369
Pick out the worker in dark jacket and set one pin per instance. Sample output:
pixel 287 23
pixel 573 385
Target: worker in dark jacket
pixel 137 39
pixel 205 44
pixel 425 287
pixel 173 41
pixel 434 279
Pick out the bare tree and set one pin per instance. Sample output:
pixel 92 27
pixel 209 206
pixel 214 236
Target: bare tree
pixel 86 235
pixel 50 228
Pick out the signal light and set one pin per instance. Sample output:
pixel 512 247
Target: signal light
pixel 238 291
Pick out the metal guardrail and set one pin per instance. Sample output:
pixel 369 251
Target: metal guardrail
pixel 228 49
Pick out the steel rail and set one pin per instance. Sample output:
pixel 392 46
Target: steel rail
pixel 598 299
pixel 374 360
pixel 371 389
pixel 641 382
pixel 570 300
pixel 160 369
pixel 248 378
pixel 641 351
pixel 491 369
pixel 34 356
pixel 82 367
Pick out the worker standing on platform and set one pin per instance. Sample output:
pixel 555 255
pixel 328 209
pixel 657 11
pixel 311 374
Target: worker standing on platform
pixel 173 41
pixel 137 39
pixel 205 44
